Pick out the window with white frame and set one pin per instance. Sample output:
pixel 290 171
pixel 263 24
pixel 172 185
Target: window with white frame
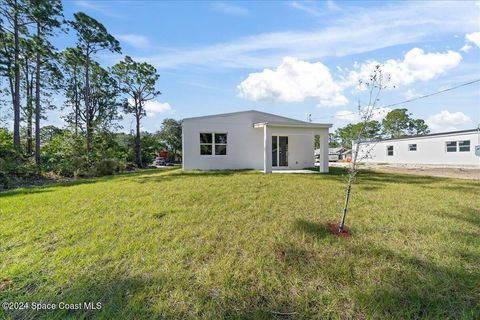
pixel 389 150
pixel 451 146
pixel 412 147
pixel 464 146
pixel 213 143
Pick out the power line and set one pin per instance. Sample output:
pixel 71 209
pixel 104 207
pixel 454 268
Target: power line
pixel 413 99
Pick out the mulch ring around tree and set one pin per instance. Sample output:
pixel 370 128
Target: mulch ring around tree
pixel 333 227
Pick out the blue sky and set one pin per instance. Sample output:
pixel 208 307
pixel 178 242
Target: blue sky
pixel 296 58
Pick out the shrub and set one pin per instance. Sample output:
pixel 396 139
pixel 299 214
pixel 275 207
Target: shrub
pixel 107 167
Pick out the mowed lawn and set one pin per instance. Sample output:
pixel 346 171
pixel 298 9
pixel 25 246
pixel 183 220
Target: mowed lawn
pixel 241 244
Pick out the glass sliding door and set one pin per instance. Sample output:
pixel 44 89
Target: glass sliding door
pixel 274 151
pixel 283 151
pixel 279 151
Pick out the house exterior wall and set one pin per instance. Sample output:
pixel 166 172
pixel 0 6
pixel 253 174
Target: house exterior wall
pixel 430 150
pixel 245 144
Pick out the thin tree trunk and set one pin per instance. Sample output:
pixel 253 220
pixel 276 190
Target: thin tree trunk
pixel 87 106
pixel 37 100
pixel 75 98
pixel 16 102
pixel 29 116
pixel 138 150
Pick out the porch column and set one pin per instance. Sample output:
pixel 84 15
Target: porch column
pixel 324 151
pixel 267 150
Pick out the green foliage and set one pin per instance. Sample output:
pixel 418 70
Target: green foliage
pixel 7 152
pixel 398 123
pixel 137 81
pixel 350 132
pixel 171 135
pixel 107 167
pixel 65 155
pixel 92 35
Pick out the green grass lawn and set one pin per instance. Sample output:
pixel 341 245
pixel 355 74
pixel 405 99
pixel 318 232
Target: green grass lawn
pixel 241 244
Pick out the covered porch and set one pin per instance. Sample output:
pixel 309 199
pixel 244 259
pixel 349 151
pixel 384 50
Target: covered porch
pixel 291 146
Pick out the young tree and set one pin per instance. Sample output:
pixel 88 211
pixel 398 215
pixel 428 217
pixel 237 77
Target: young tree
pixel 375 84
pixel 92 38
pixel 171 135
pixel 137 81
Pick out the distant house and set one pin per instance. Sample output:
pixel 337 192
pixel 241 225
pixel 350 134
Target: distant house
pixel 335 154
pixel 446 148
pixel 251 140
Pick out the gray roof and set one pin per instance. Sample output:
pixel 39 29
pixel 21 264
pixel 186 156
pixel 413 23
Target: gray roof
pixel 276 119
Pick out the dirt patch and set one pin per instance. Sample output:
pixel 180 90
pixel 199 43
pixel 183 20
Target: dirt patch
pixel 334 228
pixel 458 173
pixel 5 284
pixel 467 173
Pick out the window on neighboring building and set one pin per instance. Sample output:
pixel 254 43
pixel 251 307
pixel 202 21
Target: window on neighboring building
pixel 412 147
pixel 451 146
pixel 389 150
pixel 213 143
pixel 464 146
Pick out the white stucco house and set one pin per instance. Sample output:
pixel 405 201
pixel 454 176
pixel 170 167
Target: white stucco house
pixel 456 148
pixel 251 140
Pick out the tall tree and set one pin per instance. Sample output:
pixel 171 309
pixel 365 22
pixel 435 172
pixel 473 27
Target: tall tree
pixel 73 63
pixel 103 105
pixel 92 38
pixel 14 15
pixel 171 135
pixel 47 17
pixel 396 122
pixel 27 67
pixel 137 81
pixel 418 126
pixel 399 122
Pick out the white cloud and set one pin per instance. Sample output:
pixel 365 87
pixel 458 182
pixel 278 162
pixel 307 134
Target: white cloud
pixel 94 6
pixel 415 66
pixel 474 38
pixel 313 9
pixel 447 121
pixel 134 40
pixel 411 93
pixel 230 8
pixel 396 24
pixel 466 48
pixel 293 80
pixel 354 117
pixel 152 107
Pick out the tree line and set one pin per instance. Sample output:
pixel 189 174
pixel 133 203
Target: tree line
pixel 34 76
pixel 397 123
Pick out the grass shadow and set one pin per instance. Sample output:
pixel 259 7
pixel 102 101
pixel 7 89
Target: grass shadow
pixel 315 229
